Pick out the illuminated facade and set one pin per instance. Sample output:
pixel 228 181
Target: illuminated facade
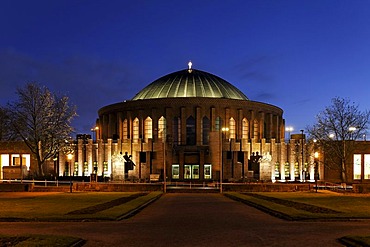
pixel 189 125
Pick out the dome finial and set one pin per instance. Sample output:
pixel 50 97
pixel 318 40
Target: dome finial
pixel 190 64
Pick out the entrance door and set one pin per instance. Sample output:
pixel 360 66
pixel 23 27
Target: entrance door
pixel 191 171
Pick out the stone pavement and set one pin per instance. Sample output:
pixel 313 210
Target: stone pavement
pixel 197 219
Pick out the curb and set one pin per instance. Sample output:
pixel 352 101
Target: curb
pixel 138 209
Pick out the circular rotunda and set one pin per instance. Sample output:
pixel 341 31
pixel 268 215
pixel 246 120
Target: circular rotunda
pixel 190 125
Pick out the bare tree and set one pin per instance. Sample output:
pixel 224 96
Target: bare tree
pixel 337 128
pixel 42 120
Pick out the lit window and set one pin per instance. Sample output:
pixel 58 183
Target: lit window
pixel 125 130
pixel 148 129
pixel 255 129
pixel 207 171
pixel 232 128
pixel 16 160
pixel 218 124
pixel 135 129
pixel 357 166
pixel 367 166
pixel 162 128
pixel 175 171
pixel 187 172
pixel 245 129
pixel 4 160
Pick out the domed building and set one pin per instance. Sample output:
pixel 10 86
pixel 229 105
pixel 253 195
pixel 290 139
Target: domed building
pixel 187 126
pixel 192 125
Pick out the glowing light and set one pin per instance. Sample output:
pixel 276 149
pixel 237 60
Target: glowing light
pixel 352 128
pixel 316 155
pixel 289 128
pixel 69 156
pixel 225 129
pixel 190 64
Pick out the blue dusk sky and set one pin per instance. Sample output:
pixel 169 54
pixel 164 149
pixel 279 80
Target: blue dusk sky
pixel 297 55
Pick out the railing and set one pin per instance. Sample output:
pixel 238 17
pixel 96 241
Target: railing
pixel 334 186
pixel 193 185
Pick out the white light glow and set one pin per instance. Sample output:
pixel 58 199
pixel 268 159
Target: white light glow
pixel 190 64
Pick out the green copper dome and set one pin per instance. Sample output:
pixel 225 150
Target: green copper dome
pixel 190 83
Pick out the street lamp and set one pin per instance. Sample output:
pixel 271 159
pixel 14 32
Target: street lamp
pixel 94 131
pixel 302 172
pixel 316 155
pixel 69 157
pixel 289 129
pixel 223 130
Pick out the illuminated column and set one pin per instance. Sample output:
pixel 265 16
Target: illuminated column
pixel 89 155
pixel 80 157
pixel 109 156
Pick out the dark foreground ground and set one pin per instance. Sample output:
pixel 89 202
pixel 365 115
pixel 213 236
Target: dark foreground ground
pixel 197 220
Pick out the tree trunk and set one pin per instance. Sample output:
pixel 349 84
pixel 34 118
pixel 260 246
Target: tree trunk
pixel 344 172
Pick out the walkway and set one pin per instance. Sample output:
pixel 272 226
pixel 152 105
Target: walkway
pixel 197 219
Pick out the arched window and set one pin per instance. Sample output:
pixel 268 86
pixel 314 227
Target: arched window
pixel 232 128
pixel 148 131
pixel 245 129
pixel 176 130
pixel 162 128
pixel 190 131
pixel 135 129
pixel 255 129
pixel 205 131
pixel 125 130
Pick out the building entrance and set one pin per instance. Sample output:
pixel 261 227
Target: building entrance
pixel 191 171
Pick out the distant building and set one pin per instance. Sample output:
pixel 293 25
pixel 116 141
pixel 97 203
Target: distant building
pixel 191 125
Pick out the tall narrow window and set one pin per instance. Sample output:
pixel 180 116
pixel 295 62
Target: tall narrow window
pixel 176 128
pixel 232 128
pixel 207 171
pixel 255 129
pixel 125 130
pixel 367 166
pixel 357 166
pixel 218 124
pixel 190 131
pixel 135 129
pixel 162 128
pixel 245 129
pixel 205 131
pixel 148 133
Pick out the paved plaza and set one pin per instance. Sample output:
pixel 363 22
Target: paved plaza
pixel 209 219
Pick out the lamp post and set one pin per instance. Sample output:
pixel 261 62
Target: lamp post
pixel 316 161
pixel 223 130
pixel 94 131
pixel 69 157
pixel 302 157
pixel 289 129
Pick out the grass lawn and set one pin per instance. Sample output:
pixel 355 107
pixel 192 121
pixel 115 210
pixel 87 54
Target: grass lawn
pixel 39 240
pixel 348 206
pixel 56 206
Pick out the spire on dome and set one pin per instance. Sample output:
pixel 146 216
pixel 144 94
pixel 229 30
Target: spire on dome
pixel 190 64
